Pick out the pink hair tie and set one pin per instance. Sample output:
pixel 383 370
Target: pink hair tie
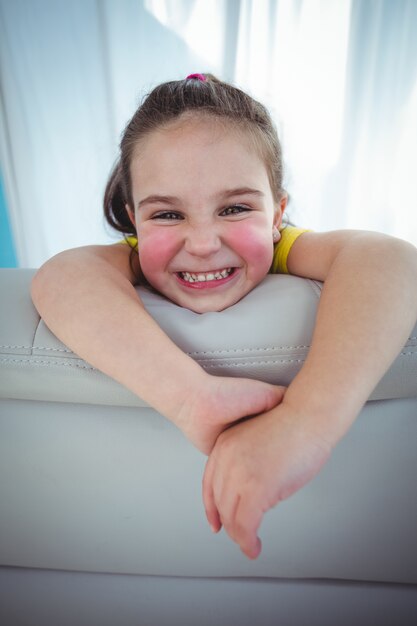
pixel 197 76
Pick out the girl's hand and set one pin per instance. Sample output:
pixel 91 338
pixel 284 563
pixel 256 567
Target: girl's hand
pixel 221 401
pixel 253 466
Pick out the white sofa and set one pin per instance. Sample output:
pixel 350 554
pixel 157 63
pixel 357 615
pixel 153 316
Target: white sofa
pixel 101 518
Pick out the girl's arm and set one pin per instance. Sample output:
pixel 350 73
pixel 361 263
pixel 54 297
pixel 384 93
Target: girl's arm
pixel 87 298
pixel 367 309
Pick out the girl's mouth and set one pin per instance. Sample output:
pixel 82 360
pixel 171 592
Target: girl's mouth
pixel 206 279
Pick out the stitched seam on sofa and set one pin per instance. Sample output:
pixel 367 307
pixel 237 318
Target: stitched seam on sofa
pixel 240 364
pixel 259 349
pixel 89 367
pixel 411 353
pixel 49 363
pixel 236 350
pixel 38 348
pixel 270 349
pixel 269 362
pixel 231 350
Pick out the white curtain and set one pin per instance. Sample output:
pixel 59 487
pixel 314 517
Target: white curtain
pixel 340 78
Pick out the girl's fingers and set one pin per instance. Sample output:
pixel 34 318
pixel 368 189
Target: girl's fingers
pixel 227 507
pixel 240 514
pixel 247 519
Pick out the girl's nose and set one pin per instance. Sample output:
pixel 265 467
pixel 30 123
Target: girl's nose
pixel 202 241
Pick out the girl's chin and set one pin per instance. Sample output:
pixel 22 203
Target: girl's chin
pixel 206 307
pixel 208 302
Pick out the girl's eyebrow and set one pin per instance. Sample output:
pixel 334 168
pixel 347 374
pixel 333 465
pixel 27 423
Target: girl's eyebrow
pixel 241 191
pixel 158 199
pixel 173 200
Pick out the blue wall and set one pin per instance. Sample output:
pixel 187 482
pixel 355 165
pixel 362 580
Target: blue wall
pixel 7 249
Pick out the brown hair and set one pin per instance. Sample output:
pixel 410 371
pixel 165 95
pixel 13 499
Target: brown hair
pixel 168 102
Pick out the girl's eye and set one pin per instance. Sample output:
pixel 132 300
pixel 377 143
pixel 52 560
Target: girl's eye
pixel 167 215
pixel 235 209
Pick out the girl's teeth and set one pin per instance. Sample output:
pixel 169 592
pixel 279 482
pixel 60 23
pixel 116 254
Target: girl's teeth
pixel 193 278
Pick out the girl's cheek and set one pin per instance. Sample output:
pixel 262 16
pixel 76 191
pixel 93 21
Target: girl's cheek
pixel 253 244
pixel 156 249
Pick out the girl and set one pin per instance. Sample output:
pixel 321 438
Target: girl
pixel 199 187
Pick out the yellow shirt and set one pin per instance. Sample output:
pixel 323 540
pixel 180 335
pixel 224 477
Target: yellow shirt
pixel 289 234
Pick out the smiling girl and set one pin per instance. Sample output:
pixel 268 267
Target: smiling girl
pixel 198 194
pixel 206 236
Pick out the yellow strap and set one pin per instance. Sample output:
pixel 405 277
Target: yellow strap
pixel 131 241
pixel 289 234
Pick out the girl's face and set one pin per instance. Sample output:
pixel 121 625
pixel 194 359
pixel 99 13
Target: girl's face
pixel 204 214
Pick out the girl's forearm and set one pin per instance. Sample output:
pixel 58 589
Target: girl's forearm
pixel 92 306
pixel 87 299
pixel 367 309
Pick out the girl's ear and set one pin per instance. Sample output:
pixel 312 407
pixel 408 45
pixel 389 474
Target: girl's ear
pixel 279 212
pixel 131 214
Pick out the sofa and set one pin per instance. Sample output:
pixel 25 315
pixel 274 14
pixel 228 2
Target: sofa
pixel 101 514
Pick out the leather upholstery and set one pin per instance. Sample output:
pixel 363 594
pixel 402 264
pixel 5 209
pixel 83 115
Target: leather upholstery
pixel 95 481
